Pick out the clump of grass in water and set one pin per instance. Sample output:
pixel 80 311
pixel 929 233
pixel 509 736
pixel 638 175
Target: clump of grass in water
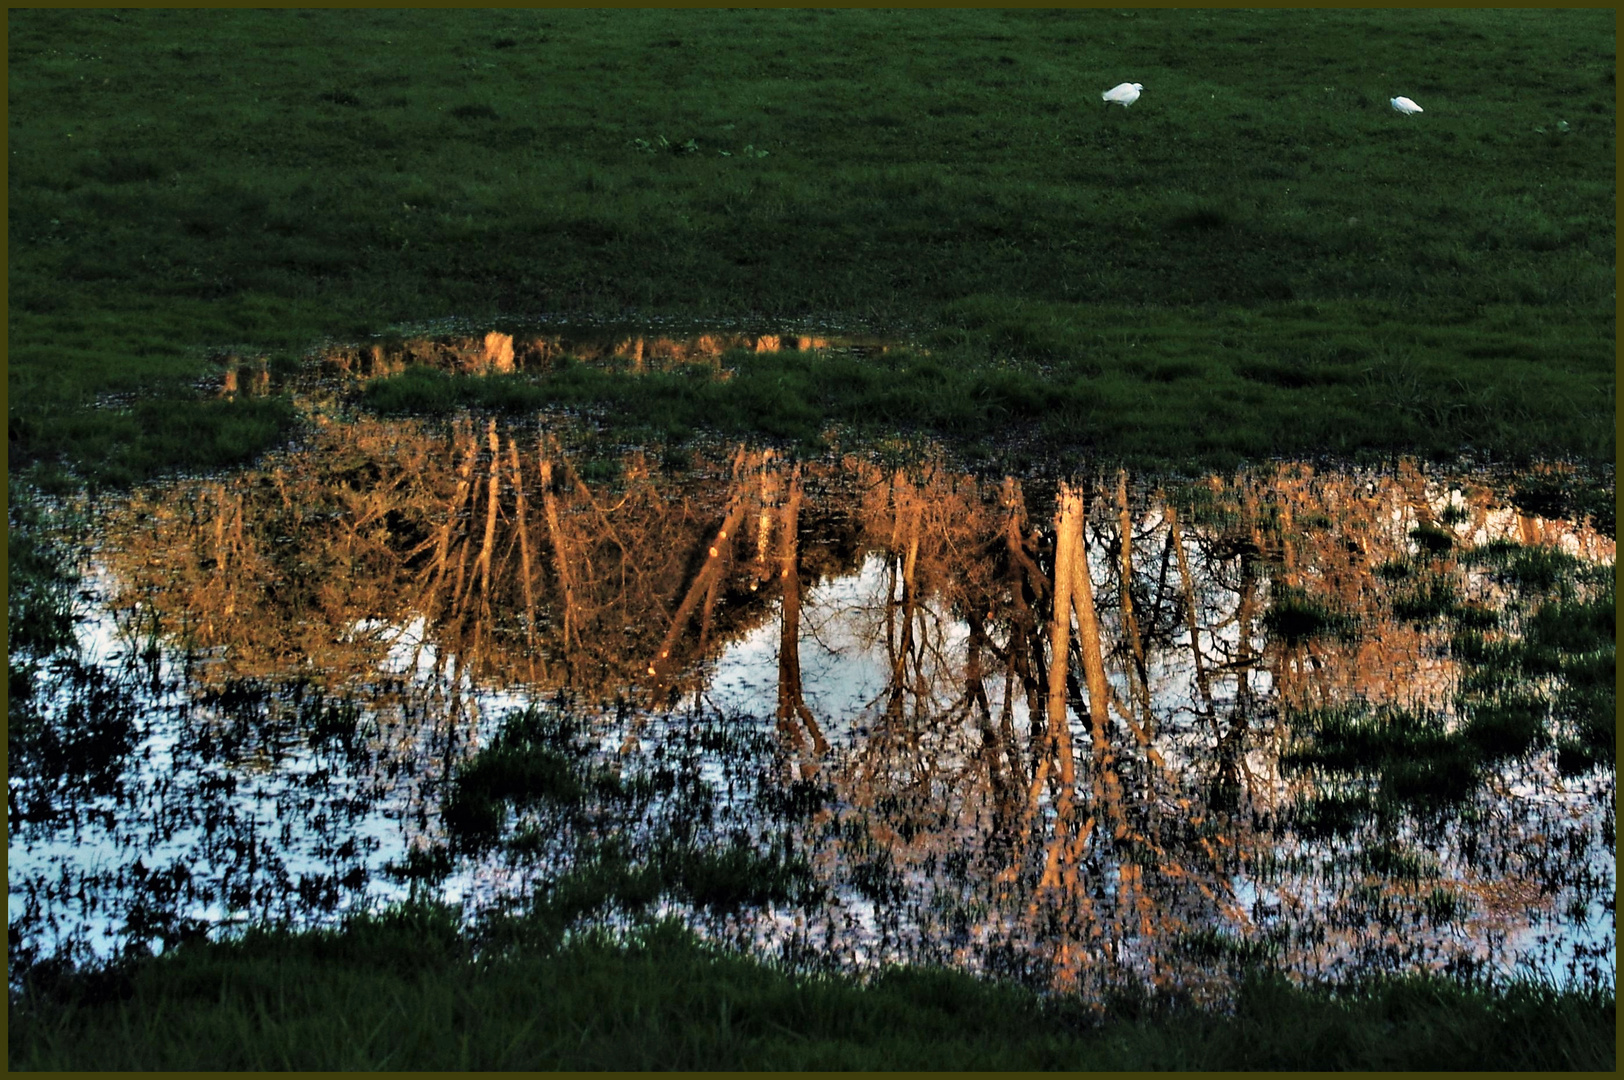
pixel 1295 617
pixel 1578 638
pixel 1409 754
pixel 1394 570
pixel 1432 598
pixel 1552 494
pixel 1526 567
pixel 1507 726
pixel 1432 540
pixel 536 760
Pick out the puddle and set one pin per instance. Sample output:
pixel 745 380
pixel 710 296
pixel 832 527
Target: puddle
pixel 630 349
pixel 1282 726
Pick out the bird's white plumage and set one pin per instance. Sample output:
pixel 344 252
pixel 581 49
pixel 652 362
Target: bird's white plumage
pixel 1123 94
pixel 1405 106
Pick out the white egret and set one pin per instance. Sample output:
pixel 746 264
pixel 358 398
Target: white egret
pixel 1405 106
pixel 1123 94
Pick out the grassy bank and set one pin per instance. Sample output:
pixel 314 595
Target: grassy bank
pixel 1260 248
pixel 408 991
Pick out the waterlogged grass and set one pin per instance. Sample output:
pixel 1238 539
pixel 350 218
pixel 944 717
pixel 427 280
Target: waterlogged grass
pixel 1259 258
pixel 1547 681
pixel 1295 617
pixel 618 839
pixel 409 990
pixel 1566 639
pixel 1564 493
pixel 1393 758
pixel 1432 598
pixel 535 759
pixel 574 970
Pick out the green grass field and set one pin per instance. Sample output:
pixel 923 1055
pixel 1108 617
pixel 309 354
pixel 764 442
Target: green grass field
pixel 1258 258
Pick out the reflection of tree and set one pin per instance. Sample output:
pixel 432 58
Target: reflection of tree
pixel 793 714
pixel 1080 706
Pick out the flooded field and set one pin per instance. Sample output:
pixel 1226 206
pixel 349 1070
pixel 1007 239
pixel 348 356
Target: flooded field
pixel 840 711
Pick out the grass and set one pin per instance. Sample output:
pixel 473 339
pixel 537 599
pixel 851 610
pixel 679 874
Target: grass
pixel 1259 258
pixel 409 990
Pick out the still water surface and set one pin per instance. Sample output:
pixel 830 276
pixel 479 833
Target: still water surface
pixel 855 664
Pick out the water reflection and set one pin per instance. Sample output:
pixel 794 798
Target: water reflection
pixel 1061 729
pixel 632 350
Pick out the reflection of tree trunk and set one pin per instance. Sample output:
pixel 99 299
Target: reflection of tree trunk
pixel 901 640
pixel 1107 791
pixel 1068 541
pixel 1088 626
pixel 1125 532
pixel 706 610
pixel 472 490
pixel 700 586
pixel 526 571
pixel 791 703
pixel 482 566
pixel 1027 584
pixel 1161 580
pixel 1054 751
pixel 994 747
pixel 764 521
pixel 221 560
pixel 1231 762
pixel 442 551
pixel 1414 486
pixel 1248 525
pixel 1527 530
pixel 561 551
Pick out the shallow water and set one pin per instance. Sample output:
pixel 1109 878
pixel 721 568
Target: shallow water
pixel 280 669
pixel 535 349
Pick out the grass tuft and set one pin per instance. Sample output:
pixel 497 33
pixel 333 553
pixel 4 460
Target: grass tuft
pixel 1295 617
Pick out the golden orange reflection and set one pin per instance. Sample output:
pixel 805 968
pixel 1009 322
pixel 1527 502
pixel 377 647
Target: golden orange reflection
pixel 1077 714
pixel 498 353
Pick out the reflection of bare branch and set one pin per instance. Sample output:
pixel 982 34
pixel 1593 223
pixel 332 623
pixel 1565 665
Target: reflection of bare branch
pixel 1191 617
pixel 1139 678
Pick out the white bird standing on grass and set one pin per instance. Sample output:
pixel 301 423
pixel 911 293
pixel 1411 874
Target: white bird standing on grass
pixel 1406 106
pixel 1123 94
